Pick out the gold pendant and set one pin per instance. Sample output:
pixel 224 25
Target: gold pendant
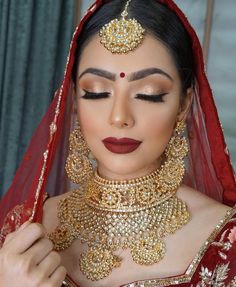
pixel 98 263
pixel 62 237
pixel 148 251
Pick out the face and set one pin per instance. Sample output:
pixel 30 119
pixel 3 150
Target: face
pixel 127 119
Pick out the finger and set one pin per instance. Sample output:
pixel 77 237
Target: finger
pixel 40 250
pixel 24 225
pixel 26 237
pixel 58 276
pixel 13 234
pixel 50 263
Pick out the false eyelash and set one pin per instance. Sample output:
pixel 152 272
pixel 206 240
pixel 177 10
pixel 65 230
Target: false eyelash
pixel 95 96
pixel 151 98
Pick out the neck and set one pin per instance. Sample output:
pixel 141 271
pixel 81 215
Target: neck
pixel 125 174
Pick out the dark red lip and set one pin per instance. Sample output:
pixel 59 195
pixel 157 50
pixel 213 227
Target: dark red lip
pixel 123 145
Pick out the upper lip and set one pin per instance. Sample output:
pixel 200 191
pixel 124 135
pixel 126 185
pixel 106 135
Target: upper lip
pixel 121 141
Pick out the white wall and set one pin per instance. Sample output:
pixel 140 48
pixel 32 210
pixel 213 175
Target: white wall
pixel 222 59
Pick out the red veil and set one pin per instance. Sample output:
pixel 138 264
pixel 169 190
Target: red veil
pixel 42 169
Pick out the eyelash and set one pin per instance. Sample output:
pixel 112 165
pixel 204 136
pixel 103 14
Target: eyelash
pixel 94 96
pixel 151 98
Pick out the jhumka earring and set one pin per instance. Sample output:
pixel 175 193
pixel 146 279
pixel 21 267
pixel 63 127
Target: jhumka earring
pixel 172 170
pixel 178 146
pixel 78 166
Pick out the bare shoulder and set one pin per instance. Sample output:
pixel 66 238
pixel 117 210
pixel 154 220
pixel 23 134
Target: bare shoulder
pixel 202 207
pixel 50 220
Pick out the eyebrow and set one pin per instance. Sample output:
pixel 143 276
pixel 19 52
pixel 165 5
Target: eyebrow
pixel 100 73
pixel 131 77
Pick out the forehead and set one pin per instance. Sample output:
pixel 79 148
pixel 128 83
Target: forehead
pixel 150 53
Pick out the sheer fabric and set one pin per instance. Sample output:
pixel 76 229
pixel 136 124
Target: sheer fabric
pixel 42 169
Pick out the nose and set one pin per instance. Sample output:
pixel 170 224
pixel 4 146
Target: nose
pixel 121 114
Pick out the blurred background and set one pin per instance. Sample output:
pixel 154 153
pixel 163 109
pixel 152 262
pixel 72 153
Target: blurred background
pixel 34 42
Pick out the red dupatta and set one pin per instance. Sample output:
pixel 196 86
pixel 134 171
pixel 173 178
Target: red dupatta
pixel 42 169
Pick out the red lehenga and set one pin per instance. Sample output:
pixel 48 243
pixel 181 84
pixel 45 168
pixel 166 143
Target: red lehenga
pixel 208 170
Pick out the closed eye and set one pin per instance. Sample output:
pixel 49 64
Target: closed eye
pixel 151 98
pixel 95 96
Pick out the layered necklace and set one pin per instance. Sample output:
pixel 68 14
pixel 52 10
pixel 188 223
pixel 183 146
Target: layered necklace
pixel 133 214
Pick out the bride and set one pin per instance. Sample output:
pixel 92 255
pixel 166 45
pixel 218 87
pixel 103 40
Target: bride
pixel 148 193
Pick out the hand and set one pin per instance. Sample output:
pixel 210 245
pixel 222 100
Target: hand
pixel 27 259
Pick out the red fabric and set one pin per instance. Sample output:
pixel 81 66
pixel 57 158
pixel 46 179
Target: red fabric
pixel 220 157
pixel 42 168
pixel 208 167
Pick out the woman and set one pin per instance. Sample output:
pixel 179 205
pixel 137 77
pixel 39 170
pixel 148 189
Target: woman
pixel 135 217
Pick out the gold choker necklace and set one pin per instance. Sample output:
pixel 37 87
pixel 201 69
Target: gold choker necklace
pixel 109 215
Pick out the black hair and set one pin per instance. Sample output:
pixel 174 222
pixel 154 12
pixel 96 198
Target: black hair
pixel 157 20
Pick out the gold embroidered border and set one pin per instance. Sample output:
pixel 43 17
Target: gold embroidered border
pixel 194 264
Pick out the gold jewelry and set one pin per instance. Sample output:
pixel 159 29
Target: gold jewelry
pixel 122 36
pixel 178 146
pixel 127 195
pixel 141 230
pixel 137 214
pixel 78 166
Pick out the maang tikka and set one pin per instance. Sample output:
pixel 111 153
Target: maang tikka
pixel 122 36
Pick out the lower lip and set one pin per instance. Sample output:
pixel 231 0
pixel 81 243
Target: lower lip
pixel 121 148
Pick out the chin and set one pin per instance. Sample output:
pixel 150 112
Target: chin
pixel 123 169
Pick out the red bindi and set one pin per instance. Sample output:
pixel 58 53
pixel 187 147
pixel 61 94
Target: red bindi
pixel 122 74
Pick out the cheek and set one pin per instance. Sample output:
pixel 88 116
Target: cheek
pixel 84 116
pixel 90 119
pixel 158 126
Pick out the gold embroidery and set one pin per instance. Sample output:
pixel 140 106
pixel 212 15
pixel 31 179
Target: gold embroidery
pixel 223 245
pixel 179 279
pixel 40 183
pixel 13 220
pixel 215 277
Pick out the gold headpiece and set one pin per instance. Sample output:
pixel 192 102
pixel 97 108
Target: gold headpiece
pixel 122 36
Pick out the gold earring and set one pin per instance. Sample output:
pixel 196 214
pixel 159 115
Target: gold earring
pixel 173 169
pixel 78 166
pixel 178 145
